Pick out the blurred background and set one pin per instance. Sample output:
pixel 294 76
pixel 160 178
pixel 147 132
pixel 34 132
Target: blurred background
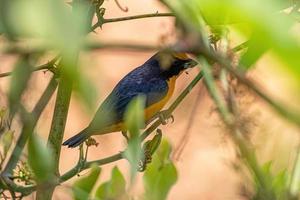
pixel 206 164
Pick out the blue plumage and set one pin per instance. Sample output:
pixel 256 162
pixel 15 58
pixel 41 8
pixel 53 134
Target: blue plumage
pixel 144 80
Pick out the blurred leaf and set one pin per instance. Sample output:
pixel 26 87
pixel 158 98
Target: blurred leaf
pixel 18 83
pixel 263 17
pixel 254 51
pixel 83 187
pixel 280 182
pixel 134 120
pixel 134 116
pixel 40 159
pixel 115 188
pixel 160 175
pixel 86 90
pixel 295 177
pixel 6 141
pixel 277 184
pixel 51 21
pixel 5 26
pixel 164 151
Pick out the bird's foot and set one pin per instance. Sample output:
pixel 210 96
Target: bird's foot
pixel 164 117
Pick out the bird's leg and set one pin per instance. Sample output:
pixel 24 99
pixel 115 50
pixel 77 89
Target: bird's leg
pixel 124 133
pixel 164 116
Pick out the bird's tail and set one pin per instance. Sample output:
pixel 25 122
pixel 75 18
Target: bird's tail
pixel 77 139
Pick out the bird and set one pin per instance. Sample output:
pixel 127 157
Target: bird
pixel 155 80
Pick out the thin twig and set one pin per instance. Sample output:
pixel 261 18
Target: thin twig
pixel 119 19
pixel 241 46
pixel 47 66
pixel 121 8
pixel 184 139
pixel 121 46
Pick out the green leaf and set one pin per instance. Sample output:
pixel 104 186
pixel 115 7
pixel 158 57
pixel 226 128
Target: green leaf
pixel 83 187
pixel 85 90
pixel 160 175
pixel 295 177
pixel 280 182
pixel 265 18
pixel 134 120
pixel 134 116
pixel 164 151
pixel 6 141
pixel 40 159
pixel 52 22
pixel 257 46
pixel 18 83
pixel 115 188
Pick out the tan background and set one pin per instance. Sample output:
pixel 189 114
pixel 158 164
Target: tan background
pixel 205 166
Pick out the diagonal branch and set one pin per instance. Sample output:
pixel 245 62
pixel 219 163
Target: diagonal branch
pixel 245 148
pixel 29 126
pixel 278 106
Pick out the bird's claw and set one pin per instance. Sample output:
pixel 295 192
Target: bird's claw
pixel 164 116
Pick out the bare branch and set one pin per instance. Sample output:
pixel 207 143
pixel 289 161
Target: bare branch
pixel 47 66
pixel 119 19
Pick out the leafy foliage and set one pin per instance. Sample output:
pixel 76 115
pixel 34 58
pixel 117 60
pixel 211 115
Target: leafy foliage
pixel 83 187
pixel 134 120
pixel 114 188
pixel 40 159
pixel 160 175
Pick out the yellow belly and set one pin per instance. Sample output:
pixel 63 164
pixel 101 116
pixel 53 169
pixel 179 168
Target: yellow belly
pixel 149 111
pixel 155 108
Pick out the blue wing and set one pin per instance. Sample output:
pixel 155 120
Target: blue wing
pixel 142 80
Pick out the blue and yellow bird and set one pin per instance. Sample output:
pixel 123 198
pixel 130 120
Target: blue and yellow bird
pixel 152 79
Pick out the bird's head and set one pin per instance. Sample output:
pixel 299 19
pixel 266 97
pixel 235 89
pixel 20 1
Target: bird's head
pixel 173 64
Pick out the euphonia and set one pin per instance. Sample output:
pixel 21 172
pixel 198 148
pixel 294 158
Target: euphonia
pixel 152 79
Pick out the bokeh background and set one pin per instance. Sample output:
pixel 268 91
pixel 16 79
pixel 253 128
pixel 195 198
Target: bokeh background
pixel 206 164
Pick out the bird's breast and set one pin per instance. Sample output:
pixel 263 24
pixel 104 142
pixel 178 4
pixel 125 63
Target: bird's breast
pixel 153 109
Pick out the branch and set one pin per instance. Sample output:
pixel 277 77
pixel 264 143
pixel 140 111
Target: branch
pixel 89 46
pixel 279 107
pixel 131 18
pixel 59 120
pixel 47 66
pixel 121 46
pixel 29 126
pixel 27 129
pixel 246 149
